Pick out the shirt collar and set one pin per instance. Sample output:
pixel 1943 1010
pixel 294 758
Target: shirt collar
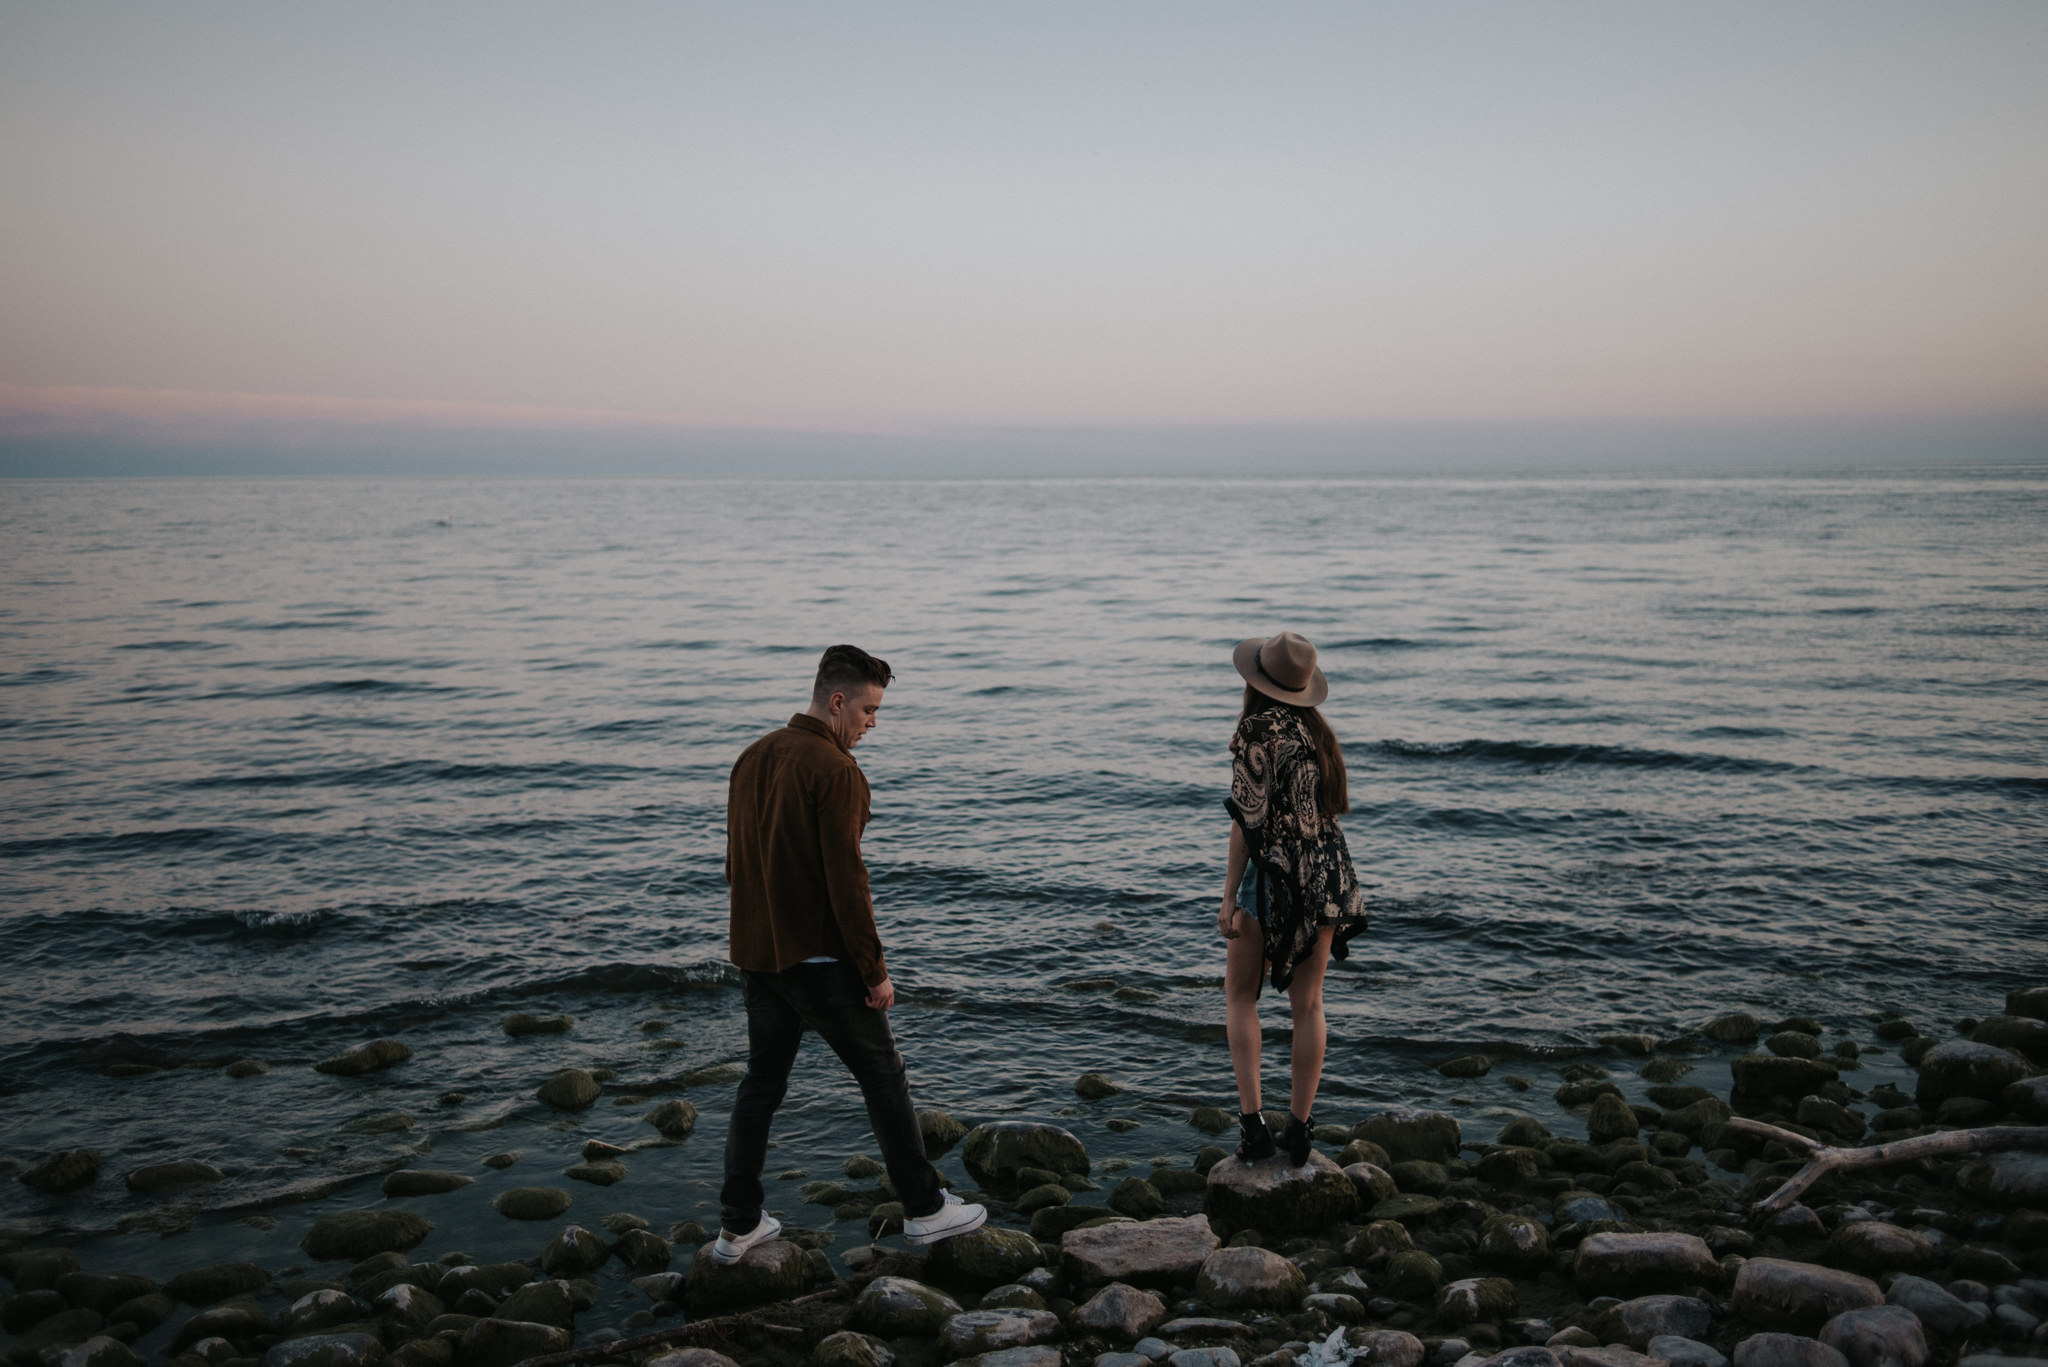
pixel 804 721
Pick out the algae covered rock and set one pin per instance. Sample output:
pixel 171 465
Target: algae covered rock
pixel 185 1172
pixel 572 1253
pixel 983 1258
pixel 570 1089
pixel 1473 1300
pixel 1404 1134
pixel 64 1172
pixel 1095 1087
pixel 1278 1198
pixel 675 1119
pixel 995 1152
pixel 775 1270
pixel 531 1203
pixel 365 1058
pixel 897 1307
pixel 357 1234
pixel 1250 1279
pixel 1764 1078
pixel 848 1348
pixel 506 1343
pixel 1611 1119
pixel 423 1182
pixel 1514 1243
pixel 1964 1068
pixel 940 1132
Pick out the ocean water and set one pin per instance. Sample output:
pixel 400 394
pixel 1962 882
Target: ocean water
pixel 286 766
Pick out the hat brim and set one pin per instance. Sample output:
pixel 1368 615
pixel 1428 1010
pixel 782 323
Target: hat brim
pixel 1246 658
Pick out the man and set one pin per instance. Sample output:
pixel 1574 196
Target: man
pixel 803 935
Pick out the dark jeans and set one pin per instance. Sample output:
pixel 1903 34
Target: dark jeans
pixel 832 1000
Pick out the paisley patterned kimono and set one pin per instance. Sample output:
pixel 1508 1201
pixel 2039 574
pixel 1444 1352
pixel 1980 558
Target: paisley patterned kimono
pixel 1305 877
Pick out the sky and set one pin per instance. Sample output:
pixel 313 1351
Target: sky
pixel 403 229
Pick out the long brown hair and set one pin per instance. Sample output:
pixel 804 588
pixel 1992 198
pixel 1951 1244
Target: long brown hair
pixel 1332 796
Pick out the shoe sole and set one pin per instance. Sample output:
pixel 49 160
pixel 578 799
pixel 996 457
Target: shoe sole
pixel 923 1239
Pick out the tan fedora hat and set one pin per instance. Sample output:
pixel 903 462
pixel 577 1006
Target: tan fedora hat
pixel 1282 667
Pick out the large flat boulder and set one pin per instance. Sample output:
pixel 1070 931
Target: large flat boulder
pixel 1874 1247
pixel 1163 1253
pixel 1275 1197
pixel 1777 1291
pixel 2007 1179
pixel 1631 1264
pixel 357 1234
pixel 1961 1067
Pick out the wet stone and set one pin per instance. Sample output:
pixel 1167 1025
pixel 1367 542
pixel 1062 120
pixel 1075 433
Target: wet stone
pixel 423 1182
pixel 2007 1178
pixel 1941 1312
pixel 1475 1299
pixel 1160 1253
pixel 1624 1264
pixel 1685 1352
pixel 522 1023
pixel 1799 1295
pixel 531 1203
pixel 1636 1322
pixel 848 1348
pixel 506 1343
pixel 100 1350
pixel 1250 1279
pixel 571 1089
pixel 64 1172
pixel 1122 1312
pixel 940 1132
pixel 1278 1198
pixel 898 1307
pixel 356 1234
pixel 987 1331
pixel 1874 1247
pixel 1786 1350
pixel 1878 1336
pixel 366 1058
pixel 102 1292
pixel 985 1257
pixel 1389 1348
pixel 602 1173
pixel 1405 1134
pixel 573 1252
pixel 995 1153
pixel 203 1286
pixel 1963 1068
pixel 327 1350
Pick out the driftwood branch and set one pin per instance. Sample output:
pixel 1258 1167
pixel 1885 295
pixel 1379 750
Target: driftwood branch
pixel 682 1336
pixel 1822 1159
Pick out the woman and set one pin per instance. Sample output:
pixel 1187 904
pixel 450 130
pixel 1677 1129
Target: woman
pixel 1290 896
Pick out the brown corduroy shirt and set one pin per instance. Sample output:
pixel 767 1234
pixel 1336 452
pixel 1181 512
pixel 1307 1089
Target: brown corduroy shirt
pixel 794 814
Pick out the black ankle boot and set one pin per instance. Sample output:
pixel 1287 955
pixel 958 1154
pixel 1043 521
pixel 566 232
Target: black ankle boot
pixel 1256 1140
pixel 1295 1138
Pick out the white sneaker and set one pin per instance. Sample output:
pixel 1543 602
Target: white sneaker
pixel 954 1217
pixel 730 1248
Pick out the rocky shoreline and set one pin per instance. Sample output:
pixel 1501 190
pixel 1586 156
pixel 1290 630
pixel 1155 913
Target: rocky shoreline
pixel 1408 1241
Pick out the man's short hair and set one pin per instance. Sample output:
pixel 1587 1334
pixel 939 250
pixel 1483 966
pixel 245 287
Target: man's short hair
pixel 842 669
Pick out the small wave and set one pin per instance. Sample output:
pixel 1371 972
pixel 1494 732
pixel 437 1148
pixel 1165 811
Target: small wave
pixel 1381 643
pixel 1530 753
pixel 116 842
pixel 172 645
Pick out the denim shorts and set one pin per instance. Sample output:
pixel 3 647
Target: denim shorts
pixel 1248 890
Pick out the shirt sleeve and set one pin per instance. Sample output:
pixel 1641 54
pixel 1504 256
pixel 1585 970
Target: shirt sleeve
pixel 842 816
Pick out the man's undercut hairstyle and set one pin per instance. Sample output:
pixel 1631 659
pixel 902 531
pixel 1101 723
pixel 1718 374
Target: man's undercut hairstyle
pixel 843 669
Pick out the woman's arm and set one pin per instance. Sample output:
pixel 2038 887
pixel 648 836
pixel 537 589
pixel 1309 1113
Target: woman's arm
pixel 1230 921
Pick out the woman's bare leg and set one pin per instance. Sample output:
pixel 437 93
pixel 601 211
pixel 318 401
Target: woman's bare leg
pixel 1311 1036
pixel 1243 967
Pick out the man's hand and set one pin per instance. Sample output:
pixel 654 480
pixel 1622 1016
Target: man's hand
pixel 882 995
pixel 1230 921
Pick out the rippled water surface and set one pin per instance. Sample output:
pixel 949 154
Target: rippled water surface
pixel 286 766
